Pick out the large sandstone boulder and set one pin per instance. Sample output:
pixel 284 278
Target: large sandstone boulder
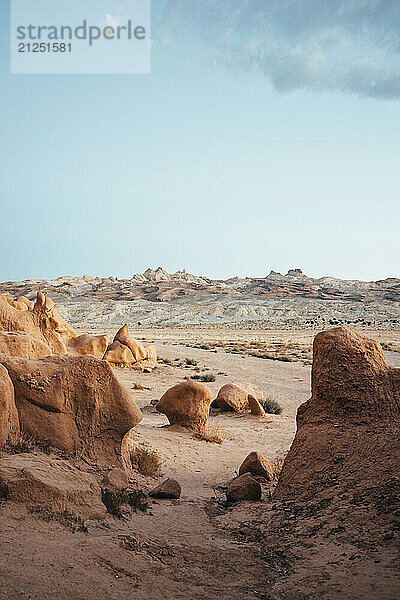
pixel 119 354
pixel 126 350
pixel 9 420
pixel 75 403
pixel 244 487
pixel 234 397
pixel 42 322
pixel 137 349
pixel 52 483
pixel 95 345
pixel 186 404
pixel 19 343
pixel 348 431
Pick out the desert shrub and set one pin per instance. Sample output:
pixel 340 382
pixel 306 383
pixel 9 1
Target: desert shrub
pixel 210 433
pixel 165 361
pixel 272 406
pixel 191 362
pixel 114 500
pixel 147 460
pixel 206 377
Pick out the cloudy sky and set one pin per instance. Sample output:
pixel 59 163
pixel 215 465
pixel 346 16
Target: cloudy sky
pixel 265 137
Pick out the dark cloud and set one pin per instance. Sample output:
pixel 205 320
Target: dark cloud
pixel 347 45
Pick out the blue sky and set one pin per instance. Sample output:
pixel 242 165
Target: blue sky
pixel 217 161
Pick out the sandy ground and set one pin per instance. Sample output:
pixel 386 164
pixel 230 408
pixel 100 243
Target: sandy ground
pixel 193 548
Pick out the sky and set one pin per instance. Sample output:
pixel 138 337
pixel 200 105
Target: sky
pixel 267 136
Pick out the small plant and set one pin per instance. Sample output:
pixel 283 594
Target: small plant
pixel 210 433
pixel 272 406
pixel 114 500
pixel 146 460
pixel 191 362
pixel 207 377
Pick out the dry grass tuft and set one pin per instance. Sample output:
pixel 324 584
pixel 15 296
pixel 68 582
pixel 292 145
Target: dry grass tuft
pixel 63 516
pixel 210 433
pixel 27 442
pixel 146 460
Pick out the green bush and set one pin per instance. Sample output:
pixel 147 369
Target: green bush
pixel 272 406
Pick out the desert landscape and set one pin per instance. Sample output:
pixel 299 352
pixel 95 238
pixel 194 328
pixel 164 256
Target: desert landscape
pixel 170 436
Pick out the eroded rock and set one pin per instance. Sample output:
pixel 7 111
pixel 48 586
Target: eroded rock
pixel 75 403
pixel 186 404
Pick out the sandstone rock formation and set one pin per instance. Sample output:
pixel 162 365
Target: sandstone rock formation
pixel 9 420
pixel 169 488
pixel 95 345
pixel 119 354
pixel 75 403
pixel 125 350
pixel 257 465
pixel 42 322
pixel 137 349
pixel 186 404
pixel 18 343
pixel 244 487
pixel 52 483
pixel 346 431
pixel 256 407
pixel 235 396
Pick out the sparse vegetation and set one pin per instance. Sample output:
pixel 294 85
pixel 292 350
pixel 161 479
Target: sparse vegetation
pixel 146 460
pixel 114 500
pixel 191 362
pixel 208 377
pixel 64 517
pixel 27 442
pixel 212 433
pixel 272 406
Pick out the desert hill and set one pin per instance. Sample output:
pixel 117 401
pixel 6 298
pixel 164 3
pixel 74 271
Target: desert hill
pixel 157 297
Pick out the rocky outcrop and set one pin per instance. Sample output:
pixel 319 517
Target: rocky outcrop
pixel 51 483
pixel 95 345
pixel 74 403
pixel 234 397
pixel 126 350
pixel 257 465
pixel 9 420
pixel 169 488
pixel 42 322
pixel 244 487
pixel 186 404
pixel 347 431
pixel 18 343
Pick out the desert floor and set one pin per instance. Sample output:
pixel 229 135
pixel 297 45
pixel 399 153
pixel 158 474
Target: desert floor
pixel 195 548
